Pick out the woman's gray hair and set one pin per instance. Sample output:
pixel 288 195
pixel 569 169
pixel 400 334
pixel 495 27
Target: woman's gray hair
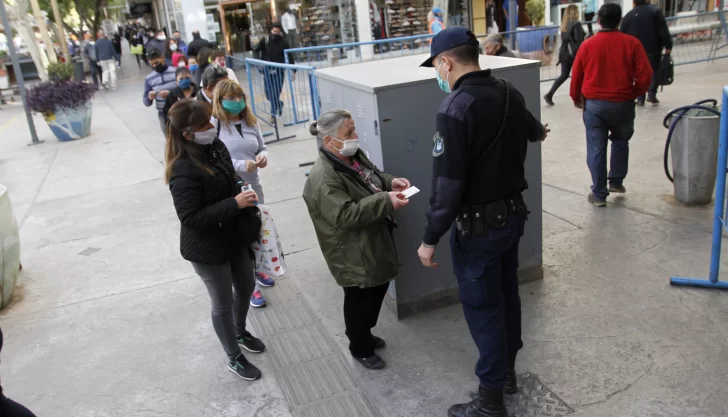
pixel 493 39
pixel 328 123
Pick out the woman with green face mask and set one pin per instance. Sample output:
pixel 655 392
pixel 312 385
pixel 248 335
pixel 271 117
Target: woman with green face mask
pixel 238 129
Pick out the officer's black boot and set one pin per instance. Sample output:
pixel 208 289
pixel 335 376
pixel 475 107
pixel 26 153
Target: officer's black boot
pixel 511 386
pixel 488 404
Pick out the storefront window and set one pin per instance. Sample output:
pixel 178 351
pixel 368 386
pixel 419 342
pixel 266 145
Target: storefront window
pixel 399 18
pixel 322 22
pixel 238 25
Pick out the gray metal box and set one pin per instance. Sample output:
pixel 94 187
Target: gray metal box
pixel 394 104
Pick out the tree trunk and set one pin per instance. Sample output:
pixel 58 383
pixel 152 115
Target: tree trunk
pixel 98 4
pixel 18 17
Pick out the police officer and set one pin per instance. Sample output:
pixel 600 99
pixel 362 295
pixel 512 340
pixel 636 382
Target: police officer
pixel 479 151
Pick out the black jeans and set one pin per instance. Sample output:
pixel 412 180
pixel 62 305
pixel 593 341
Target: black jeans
pixel 655 64
pixel 9 408
pixel 361 311
pixel 229 309
pixel 565 72
pixel 589 17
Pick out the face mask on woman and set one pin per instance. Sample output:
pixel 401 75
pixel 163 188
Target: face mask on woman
pixel 172 47
pixel 185 83
pixel 350 146
pixel 233 106
pixel 205 137
pixel 181 64
pixel 193 67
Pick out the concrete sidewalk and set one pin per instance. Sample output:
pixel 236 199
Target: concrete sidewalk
pixel 110 321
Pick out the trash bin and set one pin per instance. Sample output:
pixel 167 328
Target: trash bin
pixel 9 249
pixel 78 72
pixel 694 149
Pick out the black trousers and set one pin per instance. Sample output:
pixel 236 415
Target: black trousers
pixel 655 64
pixel 361 311
pixel 589 17
pixel 565 72
pixel 9 408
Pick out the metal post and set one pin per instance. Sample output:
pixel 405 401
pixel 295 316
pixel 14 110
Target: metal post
pixel 512 17
pixel 59 31
pixel 720 192
pixel 18 73
pixel 718 219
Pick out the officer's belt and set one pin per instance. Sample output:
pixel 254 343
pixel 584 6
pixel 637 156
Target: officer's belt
pixel 475 220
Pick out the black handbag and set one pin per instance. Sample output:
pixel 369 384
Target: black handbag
pixel 249 225
pixel 666 71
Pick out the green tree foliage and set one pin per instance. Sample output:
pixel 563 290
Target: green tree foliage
pixel 89 13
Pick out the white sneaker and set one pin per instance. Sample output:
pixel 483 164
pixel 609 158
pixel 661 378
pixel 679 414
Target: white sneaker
pixel 411 9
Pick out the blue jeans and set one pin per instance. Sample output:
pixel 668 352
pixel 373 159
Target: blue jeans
pixel 606 120
pixel 487 273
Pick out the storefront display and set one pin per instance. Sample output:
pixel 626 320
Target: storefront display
pixel 324 23
pixel 399 18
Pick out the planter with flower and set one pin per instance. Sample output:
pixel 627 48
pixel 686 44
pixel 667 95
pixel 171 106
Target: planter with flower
pixel 64 104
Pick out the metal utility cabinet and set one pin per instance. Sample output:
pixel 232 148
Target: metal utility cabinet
pixel 394 104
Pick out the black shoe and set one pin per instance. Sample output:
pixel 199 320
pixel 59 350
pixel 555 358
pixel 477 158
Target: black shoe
pixel 549 99
pixel 251 343
pixel 378 342
pixel 244 369
pixel 372 362
pixel 617 189
pixel 653 100
pixel 641 101
pixel 489 403
pixel 511 386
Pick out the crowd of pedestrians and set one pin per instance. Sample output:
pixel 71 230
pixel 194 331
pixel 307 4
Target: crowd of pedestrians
pixel 215 149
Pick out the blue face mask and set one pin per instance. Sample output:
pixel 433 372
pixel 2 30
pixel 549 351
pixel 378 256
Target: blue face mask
pixel 185 83
pixel 232 106
pixel 193 67
pixel 444 84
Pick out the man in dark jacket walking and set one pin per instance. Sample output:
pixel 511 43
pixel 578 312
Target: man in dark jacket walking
pixel 271 49
pixel 647 23
pixel 197 44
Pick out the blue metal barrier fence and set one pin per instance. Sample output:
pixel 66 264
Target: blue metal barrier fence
pixel 351 53
pixel 282 94
pixel 719 220
pixel 694 37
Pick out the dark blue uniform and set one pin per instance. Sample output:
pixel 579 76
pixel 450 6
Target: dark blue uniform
pixel 479 152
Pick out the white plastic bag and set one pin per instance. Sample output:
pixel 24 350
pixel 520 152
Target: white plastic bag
pixel 268 250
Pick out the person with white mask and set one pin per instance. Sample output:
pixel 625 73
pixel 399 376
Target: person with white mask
pixel 219 222
pixel 352 204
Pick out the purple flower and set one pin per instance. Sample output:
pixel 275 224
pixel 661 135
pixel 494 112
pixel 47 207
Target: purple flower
pixel 48 97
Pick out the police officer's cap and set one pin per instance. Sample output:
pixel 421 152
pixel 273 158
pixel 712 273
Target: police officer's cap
pixel 448 39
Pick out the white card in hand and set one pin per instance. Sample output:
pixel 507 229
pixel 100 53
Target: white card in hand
pixel 410 191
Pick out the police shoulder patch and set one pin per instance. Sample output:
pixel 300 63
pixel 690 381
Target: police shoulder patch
pixel 438 147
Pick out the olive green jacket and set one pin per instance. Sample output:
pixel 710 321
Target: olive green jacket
pixel 353 224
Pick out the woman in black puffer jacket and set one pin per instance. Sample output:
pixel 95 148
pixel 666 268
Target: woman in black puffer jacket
pixel 219 222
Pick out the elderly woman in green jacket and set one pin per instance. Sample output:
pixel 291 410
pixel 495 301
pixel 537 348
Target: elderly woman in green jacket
pixel 352 204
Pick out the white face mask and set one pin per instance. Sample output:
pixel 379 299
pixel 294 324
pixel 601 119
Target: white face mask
pixel 350 146
pixel 161 37
pixel 205 137
pixel 172 47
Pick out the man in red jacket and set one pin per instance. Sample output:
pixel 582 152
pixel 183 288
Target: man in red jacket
pixel 610 71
